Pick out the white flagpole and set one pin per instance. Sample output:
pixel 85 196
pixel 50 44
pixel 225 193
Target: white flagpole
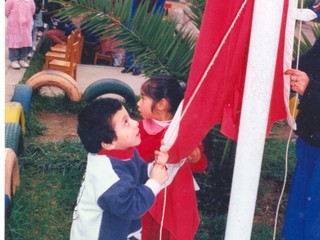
pixel 254 117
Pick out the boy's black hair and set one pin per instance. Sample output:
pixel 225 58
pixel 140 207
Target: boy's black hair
pixel 163 86
pixel 95 123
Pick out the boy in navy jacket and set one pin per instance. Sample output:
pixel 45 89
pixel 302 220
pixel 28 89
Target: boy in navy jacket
pixel 116 190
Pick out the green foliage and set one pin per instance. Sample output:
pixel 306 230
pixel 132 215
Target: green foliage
pixel 306 3
pixel 34 126
pixel 274 159
pixel 154 40
pixel 211 227
pixel 60 157
pixel 59 103
pixel 50 179
pixel 215 184
pixel 305 43
pixel 43 206
pixel 263 232
pixel 197 9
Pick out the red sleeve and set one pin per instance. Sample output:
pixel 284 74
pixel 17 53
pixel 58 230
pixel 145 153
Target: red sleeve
pixel 202 164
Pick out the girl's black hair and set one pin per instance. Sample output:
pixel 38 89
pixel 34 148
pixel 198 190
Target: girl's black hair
pixel 95 123
pixel 163 86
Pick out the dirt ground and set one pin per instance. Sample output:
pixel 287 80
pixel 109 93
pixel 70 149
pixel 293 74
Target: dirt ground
pixel 60 126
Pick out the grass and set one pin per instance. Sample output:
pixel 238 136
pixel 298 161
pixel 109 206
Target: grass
pixel 51 175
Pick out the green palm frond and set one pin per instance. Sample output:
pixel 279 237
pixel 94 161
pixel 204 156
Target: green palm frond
pixel 154 40
pixel 305 44
pixel 197 9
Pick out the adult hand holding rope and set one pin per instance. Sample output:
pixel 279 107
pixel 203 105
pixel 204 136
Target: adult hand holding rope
pixel 298 80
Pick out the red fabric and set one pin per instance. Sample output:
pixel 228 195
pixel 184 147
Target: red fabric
pixel 109 44
pixel 219 98
pixel 151 229
pixel 181 217
pixel 119 154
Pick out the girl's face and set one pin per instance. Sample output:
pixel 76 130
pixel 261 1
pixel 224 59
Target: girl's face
pixel 127 130
pixel 145 107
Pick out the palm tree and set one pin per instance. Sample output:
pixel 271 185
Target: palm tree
pixel 154 40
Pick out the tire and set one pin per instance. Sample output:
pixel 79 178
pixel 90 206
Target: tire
pixel 293 108
pixel 14 114
pixel 23 94
pixel 108 85
pixel 12 176
pixel 13 137
pixel 7 201
pixel 57 79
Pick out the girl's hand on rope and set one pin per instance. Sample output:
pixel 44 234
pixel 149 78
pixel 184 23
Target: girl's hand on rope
pixel 161 156
pixel 159 171
pixel 194 157
pixel 298 80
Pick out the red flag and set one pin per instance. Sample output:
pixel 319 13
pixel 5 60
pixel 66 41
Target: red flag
pixel 215 95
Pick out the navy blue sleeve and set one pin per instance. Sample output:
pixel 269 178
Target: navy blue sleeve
pixel 127 200
pixel 129 197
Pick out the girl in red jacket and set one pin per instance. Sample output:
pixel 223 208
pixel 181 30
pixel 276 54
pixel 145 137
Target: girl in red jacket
pixel 160 98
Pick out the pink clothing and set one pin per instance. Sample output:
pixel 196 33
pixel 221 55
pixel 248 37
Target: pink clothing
pixel 19 15
pixel 57 36
pixel 109 44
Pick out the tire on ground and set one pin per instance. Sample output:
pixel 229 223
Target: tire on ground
pixel 14 114
pixel 108 85
pixel 57 79
pixel 23 94
pixel 13 137
pixel 12 176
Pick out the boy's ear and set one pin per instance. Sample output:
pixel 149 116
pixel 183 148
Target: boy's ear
pixel 107 146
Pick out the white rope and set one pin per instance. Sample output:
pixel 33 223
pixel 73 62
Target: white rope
pixel 175 126
pixel 163 211
pixel 290 135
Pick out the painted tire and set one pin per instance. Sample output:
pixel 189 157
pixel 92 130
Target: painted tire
pixel 57 79
pixel 13 137
pixel 108 85
pixel 7 201
pixel 14 114
pixel 293 108
pixel 23 94
pixel 12 176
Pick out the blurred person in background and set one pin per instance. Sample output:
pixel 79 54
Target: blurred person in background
pixel 20 22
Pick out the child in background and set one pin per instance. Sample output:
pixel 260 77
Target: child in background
pixel 19 15
pixel 160 98
pixel 109 45
pixel 116 190
pixel 59 29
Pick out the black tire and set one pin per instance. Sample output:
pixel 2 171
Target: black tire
pixel 13 137
pixel 23 94
pixel 108 85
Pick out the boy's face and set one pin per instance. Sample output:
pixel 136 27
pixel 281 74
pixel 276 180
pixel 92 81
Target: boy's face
pixel 127 130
